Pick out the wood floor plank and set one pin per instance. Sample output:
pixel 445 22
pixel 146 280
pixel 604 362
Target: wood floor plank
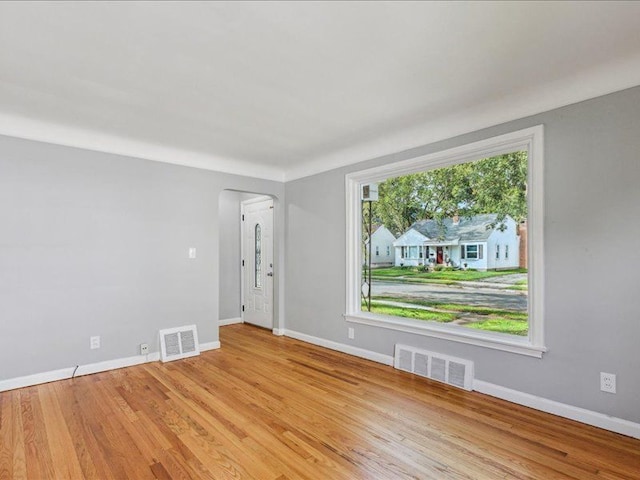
pixel 273 408
pixel 19 455
pixel 63 450
pixel 6 437
pixel 38 460
pixel 91 461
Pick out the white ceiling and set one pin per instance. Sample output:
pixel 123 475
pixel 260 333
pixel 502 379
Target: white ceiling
pixel 281 89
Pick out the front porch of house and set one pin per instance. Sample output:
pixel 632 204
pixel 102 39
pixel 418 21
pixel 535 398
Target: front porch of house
pixel 450 254
pixel 416 255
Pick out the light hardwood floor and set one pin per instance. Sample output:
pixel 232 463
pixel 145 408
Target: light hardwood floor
pixel 269 407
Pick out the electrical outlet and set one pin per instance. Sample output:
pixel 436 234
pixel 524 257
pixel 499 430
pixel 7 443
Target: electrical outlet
pixel 144 349
pixel 192 252
pixel 94 342
pixel 608 382
pixel 352 333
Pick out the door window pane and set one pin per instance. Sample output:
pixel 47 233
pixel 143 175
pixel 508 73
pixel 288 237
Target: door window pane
pixel 258 257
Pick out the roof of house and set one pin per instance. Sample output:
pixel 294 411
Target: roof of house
pixel 378 228
pixel 381 228
pixel 469 229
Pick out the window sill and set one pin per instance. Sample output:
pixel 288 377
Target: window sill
pixel 496 341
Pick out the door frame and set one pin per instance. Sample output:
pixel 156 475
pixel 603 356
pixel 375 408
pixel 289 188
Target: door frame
pixel 258 199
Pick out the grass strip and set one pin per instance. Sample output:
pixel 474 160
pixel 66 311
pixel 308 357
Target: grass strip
pixel 513 327
pixel 415 313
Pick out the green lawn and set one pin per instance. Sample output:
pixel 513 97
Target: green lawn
pixel 498 320
pixel 520 285
pixel 415 313
pixel 414 273
pixel 513 327
pixel 455 307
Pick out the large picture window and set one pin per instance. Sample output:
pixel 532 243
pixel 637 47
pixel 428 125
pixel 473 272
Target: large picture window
pixel 452 213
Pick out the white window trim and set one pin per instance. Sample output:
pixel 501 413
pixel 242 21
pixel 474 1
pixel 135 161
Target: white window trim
pixel 529 139
pixel 466 246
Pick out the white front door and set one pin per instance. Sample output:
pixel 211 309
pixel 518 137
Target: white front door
pixel 257 286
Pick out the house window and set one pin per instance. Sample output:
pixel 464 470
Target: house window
pixel 506 252
pixel 465 191
pixel 472 252
pixel 388 250
pixel 377 251
pixel 497 252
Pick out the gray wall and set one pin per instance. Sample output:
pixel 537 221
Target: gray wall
pixel 229 255
pixel 96 244
pixel 592 196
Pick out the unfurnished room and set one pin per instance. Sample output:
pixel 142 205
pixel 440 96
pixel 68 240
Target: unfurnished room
pixel 283 240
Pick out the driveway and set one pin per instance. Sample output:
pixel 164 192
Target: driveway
pixel 489 297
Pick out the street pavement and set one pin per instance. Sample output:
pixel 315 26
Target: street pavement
pixel 460 294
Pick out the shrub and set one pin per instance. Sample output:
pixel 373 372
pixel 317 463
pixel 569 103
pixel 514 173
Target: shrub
pixel 443 268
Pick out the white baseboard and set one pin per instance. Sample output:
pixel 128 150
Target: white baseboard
pixel 115 364
pixel 209 346
pixel 279 331
pixel 583 415
pixel 230 321
pixel 35 379
pixel 341 347
pixel 88 369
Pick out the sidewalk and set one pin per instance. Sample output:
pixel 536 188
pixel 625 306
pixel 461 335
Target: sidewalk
pixel 484 284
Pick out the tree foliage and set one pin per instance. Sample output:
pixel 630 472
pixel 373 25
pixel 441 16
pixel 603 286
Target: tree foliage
pixel 492 185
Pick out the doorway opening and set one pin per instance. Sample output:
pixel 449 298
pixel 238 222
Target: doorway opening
pixel 247 266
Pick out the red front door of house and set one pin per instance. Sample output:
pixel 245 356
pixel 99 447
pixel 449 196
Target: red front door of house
pixel 439 258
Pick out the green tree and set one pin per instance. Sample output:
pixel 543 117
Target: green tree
pixel 398 204
pixel 499 185
pixel 492 185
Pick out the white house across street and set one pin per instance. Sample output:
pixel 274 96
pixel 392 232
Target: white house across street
pixel 481 242
pixel 382 249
